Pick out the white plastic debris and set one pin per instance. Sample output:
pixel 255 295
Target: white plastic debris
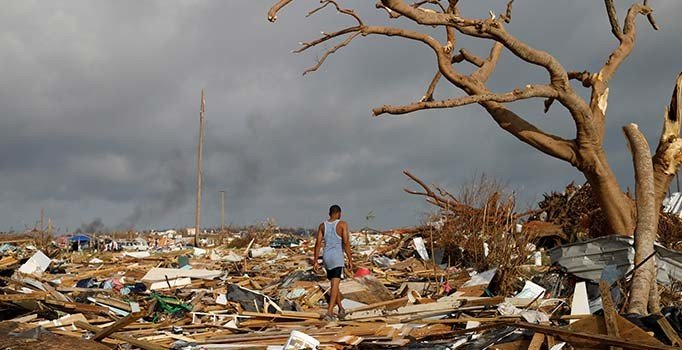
pixel 421 248
pixel 137 255
pixel 256 252
pixel 580 304
pixel 37 264
pixel 300 340
pixel 480 279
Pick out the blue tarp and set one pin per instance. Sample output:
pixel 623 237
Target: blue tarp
pixel 79 238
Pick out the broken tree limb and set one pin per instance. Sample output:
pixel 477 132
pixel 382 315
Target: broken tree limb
pixel 647 219
pixel 668 156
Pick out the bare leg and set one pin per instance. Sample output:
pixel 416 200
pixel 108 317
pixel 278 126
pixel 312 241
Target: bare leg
pixel 334 296
pixel 339 297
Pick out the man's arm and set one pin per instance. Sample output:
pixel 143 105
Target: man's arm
pixel 318 242
pixel 345 237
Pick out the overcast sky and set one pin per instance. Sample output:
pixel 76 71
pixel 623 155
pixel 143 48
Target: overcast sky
pixel 99 103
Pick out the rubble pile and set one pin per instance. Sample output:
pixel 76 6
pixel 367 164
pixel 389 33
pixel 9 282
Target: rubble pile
pixel 266 296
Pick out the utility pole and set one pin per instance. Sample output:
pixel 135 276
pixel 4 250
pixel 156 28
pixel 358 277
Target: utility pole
pixel 197 216
pixel 49 227
pixel 42 226
pixel 222 211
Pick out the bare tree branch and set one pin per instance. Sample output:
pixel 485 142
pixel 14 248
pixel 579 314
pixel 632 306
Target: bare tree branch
pixel 600 81
pixel 508 120
pixel 613 19
pixel 418 4
pixel 272 13
pixel 331 51
pixel 348 12
pixel 326 37
pixel 391 14
pixel 484 28
pixel 516 95
pixel 471 58
pixel 428 96
pixel 627 42
pixel 584 77
pixel 488 66
pixel 508 13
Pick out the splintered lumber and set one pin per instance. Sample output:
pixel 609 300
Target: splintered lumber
pixel 571 337
pixel 610 319
pixel 471 319
pixel 133 341
pixel 7 261
pixel 105 332
pixel 284 315
pixel 21 296
pixel 426 308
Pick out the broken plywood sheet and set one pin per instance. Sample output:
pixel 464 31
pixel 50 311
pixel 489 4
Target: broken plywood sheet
pixel 177 282
pixel 161 274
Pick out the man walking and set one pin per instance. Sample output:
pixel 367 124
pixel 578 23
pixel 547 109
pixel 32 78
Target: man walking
pixel 334 232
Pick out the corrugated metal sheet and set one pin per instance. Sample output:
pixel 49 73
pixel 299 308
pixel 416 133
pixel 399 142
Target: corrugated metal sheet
pixel 673 204
pixel 587 259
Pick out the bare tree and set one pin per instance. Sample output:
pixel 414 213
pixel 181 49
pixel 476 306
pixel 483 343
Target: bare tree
pixel 585 152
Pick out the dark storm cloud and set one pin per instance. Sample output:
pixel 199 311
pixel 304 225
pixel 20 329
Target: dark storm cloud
pixel 99 103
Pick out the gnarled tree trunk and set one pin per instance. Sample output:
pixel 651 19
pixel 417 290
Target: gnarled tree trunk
pixel 618 208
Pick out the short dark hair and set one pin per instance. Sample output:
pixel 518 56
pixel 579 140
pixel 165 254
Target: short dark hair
pixel 334 209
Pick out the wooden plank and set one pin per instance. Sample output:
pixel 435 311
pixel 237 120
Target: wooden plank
pixel 312 315
pixel 469 302
pixel 21 297
pixel 610 319
pixel 536 342
pixel 105 332
pixel 275 316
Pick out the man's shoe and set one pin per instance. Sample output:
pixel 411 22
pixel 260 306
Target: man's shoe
pixel 342 314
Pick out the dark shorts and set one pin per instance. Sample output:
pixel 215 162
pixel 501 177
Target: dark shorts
pixel 336 272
